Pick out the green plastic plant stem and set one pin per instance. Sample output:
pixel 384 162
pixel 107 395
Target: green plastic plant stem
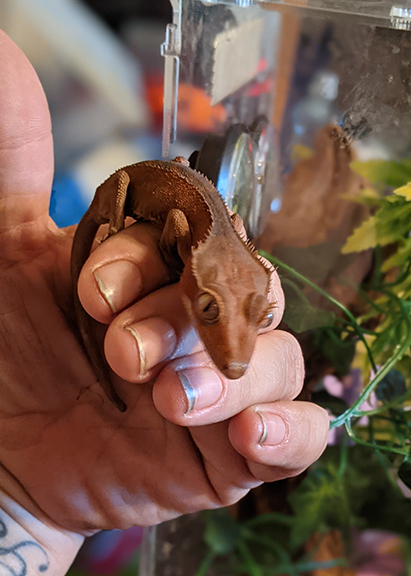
pixel 270 518
pixel 401 349
pixel 396 282
pixel 370 301
pixel 353 410
pixel 321 565
pixel 270 544
pixel 336 303
pixel 377 264
pixel 391 404
pixel 252 566
pixel 380 457
pixel 383 465
pixel 371 445
pixel 362 293
pixel 343 456
pixel 206 564
pixel 364 330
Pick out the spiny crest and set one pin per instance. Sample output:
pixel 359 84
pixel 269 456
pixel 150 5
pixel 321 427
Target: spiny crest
pixel 199 247
pixel 207 179
pixel 267 265
pixel 253 250
pixel 257 256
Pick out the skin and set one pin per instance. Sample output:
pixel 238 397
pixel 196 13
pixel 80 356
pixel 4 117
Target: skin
pixel 71 463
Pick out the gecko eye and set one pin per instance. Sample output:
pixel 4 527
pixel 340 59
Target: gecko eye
pixel 208 308
pixel 267 320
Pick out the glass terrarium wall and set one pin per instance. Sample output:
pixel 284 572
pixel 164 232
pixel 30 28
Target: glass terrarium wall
pixel 265 78
pixel 220 67
pixel 273 79
pixel 330 84
pixel 375 12
pixel 346 117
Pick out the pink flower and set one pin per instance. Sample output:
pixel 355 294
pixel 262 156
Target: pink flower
pixel 378 553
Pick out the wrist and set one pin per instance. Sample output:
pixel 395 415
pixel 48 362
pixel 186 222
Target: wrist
pixel 30 546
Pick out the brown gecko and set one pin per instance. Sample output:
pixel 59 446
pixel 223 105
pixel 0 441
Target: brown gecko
pixel 224 283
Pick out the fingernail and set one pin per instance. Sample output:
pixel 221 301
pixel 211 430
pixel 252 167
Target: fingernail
pixel 155 340
pixel 119 283
pixel 274 429
pixel 202 387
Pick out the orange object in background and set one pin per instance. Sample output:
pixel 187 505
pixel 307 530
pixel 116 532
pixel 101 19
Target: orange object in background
pixel 195 113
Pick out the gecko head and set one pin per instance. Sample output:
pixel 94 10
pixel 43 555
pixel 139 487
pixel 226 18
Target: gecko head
pixel 228 305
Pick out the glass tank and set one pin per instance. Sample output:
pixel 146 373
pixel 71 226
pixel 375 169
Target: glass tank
pixel 308 137
pixel 384 12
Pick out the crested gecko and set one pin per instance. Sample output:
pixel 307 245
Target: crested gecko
pixel 224 283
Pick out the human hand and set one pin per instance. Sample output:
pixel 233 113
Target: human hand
pixel 67 455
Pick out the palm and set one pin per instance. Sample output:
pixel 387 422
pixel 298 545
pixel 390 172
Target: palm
pixel 61 436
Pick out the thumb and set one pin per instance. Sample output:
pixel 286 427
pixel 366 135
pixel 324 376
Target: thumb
pixel 26 148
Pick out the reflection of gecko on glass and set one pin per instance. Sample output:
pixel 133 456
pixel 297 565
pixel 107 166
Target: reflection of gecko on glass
pixel 224 282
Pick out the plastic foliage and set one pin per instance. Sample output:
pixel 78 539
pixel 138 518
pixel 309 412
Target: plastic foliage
pixel 379 340
pixel 334 496
pixel 341 490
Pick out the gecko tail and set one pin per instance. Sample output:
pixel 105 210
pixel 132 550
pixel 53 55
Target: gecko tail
pixel 82 244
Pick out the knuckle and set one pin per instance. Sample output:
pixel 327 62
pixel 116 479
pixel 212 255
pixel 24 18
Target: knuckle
pixel 276 295
pixel 293 365
pixel 308 437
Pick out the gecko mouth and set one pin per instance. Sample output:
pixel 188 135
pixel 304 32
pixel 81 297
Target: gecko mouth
pixel 234 369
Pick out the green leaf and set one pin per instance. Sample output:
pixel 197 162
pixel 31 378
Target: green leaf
pixel 400 257
pixel 389 225
pixel 404 191
pixel 394 174
pixel 340 352
pixel 404 471
pixel 386 339
pixel 320 499
pixel 222 532
pixel 300 315
pixel 391 386
pixel 363 237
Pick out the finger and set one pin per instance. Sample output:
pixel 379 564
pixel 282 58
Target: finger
pixel 275 296
pixel 128 266
pixel 252 450
pixel 122 269
pixel 155 329
pixel 26 151
pixel 227 470
pixel 280 439
pixel 191 392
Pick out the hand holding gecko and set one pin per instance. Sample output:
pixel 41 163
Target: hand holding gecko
pixel 71 463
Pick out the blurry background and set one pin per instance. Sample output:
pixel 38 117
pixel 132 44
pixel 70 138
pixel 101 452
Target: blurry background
pixel 97 61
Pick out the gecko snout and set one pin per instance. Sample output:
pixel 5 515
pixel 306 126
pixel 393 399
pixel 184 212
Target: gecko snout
pixel 234 369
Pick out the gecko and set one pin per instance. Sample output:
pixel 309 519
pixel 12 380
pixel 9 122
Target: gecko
pixel 224 283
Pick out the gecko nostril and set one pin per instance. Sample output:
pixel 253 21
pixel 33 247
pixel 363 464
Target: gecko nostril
pixel 234 369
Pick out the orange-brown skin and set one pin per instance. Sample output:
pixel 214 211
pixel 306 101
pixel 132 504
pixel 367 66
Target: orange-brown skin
pixel 224 283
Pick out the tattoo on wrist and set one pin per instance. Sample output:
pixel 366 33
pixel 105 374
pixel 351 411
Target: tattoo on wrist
pixel 12 557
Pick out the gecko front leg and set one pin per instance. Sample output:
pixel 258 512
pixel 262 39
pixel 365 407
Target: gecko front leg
pixel 110 202
pixel 175 241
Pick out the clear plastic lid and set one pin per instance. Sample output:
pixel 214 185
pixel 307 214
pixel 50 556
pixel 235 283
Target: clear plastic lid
pixel 396 15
